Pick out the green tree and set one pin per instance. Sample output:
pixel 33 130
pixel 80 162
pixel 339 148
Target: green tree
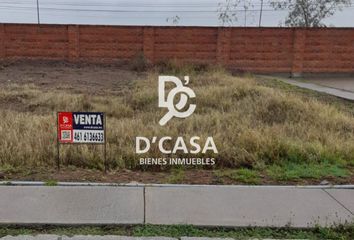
pixel 308 13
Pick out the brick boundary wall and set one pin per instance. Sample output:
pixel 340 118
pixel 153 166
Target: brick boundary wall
pixel 261 50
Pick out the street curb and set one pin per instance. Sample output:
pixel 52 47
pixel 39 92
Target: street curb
pixel 133 184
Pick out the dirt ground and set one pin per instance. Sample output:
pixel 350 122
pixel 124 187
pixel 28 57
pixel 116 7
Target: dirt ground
pixel 190 176
pixel 76 78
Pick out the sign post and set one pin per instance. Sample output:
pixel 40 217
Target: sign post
pixel 81 128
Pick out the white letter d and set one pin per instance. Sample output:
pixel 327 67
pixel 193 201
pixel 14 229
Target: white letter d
pixel 138 149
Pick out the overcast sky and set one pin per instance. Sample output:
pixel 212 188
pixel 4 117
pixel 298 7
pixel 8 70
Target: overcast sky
pixel 145 12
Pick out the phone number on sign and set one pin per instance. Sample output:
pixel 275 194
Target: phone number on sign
pixel 83 136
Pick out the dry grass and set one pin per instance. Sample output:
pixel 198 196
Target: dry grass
pixel 253 125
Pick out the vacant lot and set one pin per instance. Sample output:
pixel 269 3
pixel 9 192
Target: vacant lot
pixel 265 131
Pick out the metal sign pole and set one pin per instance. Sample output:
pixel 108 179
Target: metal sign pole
pixel 105 144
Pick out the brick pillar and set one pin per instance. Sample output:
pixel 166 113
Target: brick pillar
pixel 298 52
pixel 2 42
pixel 223 45
pixel 149 43
pixel 73 43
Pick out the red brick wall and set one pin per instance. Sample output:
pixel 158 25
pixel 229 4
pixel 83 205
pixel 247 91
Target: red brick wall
pixel 278 50
pixel 329 50
pixel 21 41
pixel 262 50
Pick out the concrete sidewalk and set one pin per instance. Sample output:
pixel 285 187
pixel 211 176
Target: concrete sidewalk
pixel 234 206
pixel 342 83
pixel 342 89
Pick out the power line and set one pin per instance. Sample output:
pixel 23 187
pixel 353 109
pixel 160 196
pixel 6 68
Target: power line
pixel 141 11
pixel 155 5
pixel 129 4
pixel 138 11
pixel 261 5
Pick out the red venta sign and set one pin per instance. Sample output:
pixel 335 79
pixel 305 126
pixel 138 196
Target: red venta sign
pixel 81 127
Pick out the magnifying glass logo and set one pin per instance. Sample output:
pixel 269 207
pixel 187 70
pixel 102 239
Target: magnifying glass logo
pixel 175 110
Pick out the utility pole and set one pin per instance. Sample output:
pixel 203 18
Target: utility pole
pixel 245 8
pixel 38 19
pixel 260 14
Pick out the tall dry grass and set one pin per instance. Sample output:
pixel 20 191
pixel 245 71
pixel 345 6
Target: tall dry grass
pixel 252 125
